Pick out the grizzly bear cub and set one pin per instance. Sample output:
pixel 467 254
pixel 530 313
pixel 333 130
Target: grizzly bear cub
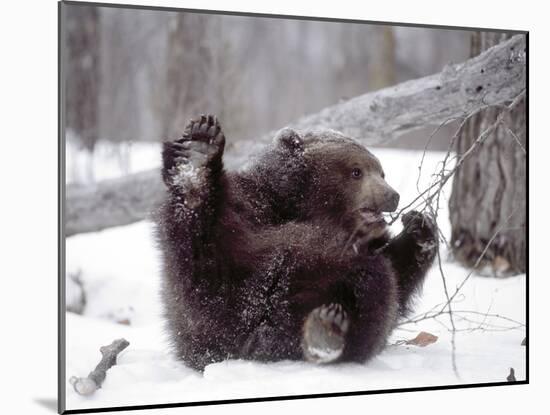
pixel 289 259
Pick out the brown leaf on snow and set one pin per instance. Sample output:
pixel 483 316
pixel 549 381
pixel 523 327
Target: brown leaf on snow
pixel 423 339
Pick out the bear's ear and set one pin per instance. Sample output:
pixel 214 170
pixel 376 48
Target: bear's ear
pixel 289 139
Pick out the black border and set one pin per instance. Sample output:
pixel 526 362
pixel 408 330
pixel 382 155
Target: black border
pixel 61 216
pixel 289 397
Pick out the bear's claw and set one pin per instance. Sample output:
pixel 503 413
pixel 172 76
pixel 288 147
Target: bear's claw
pixel 206 130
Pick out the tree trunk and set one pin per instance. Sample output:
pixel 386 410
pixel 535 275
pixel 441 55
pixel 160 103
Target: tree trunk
pixel 82 74
pixel 381 55
pixel 184 85
pixel 489 191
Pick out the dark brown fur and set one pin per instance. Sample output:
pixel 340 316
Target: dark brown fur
pixel 256 252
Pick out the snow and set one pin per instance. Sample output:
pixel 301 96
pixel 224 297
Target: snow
pixel 187 175
pixel 119 268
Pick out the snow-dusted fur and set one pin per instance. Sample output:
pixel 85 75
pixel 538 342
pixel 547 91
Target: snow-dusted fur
pixel 250 257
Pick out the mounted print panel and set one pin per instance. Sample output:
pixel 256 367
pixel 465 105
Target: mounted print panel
pixel 266 207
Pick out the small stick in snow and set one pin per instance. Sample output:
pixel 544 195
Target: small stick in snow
pixel 88 385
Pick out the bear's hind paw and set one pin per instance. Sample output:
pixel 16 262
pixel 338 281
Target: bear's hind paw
pixel 324 333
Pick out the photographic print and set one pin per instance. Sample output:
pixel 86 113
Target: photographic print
pixel 264 207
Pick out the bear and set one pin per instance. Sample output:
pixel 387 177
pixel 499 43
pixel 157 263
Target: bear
pixel 288 259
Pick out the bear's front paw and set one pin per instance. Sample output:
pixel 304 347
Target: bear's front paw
pixel 324 333
pixel 201 146
pixel 422 228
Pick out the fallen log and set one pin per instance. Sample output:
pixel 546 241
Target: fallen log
pixel 494 77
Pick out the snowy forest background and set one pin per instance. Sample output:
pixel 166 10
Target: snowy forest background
pixel 134 77
pixel 139 75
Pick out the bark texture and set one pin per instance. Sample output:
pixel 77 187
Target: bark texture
pixel 494 77
pixel 489 190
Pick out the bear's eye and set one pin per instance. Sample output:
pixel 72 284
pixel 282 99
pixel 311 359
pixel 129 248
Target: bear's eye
pixel 356 173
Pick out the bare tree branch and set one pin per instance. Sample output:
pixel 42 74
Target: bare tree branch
pixel 433 314
pixel 434 190
pixel 494 77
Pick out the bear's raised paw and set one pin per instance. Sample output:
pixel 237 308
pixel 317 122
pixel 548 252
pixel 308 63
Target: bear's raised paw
pixel 422 228
pixel 200 146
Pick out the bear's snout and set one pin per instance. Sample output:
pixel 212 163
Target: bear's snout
pixel 378 196
pixel 391 200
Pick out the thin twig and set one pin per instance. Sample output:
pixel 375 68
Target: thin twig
pixel 431 316
pixel 515 137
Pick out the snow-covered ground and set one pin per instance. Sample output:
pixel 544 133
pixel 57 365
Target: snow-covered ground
pixel 119 269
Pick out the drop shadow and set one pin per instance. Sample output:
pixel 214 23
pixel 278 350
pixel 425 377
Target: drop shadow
pixel 47 403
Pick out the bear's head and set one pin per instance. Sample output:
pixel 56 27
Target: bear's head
pixel 321 175
pixel 336 176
